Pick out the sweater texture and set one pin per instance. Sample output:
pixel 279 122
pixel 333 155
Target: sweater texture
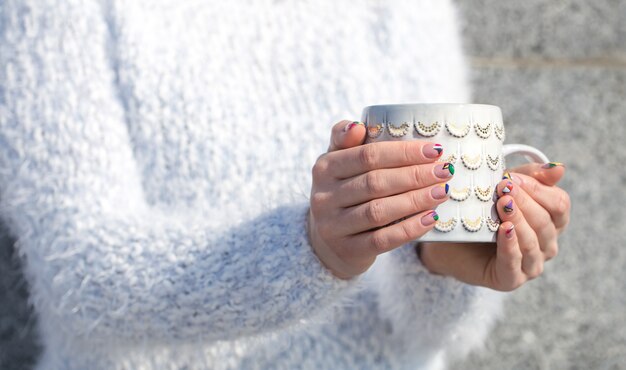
pixel 155 170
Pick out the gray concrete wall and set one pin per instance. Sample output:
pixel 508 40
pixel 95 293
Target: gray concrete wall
pixel 558 71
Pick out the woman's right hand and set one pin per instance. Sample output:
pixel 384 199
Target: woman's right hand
pixel 359 191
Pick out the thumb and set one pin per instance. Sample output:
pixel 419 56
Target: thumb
pixel 346 134
pixel 547 173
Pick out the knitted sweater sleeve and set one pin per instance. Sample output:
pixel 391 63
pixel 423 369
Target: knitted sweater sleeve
pixel 99 260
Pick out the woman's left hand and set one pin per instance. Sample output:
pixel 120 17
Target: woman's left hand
pixel 533 212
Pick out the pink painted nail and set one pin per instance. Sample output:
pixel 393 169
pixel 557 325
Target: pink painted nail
pixel 440 191
pixel 509 232
pixel 430 218
pixel 350 125
pixel 508 208
pixel 550 165
pixel 432 150
pixel 508 188
pixel 444 171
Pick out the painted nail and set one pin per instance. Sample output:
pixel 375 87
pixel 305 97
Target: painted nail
pixel 507 188
pixel 552 165
pixel 508 208
pixel 430 218
pixel 444 170
pixel 509 232
pixel 431 150
pixel 440 191
pixel 507 176
pixel 350 125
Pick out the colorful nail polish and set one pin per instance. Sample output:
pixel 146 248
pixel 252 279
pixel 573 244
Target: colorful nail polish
pixel 509 232
pixel 440 192
pixel 552 165
pixel 350 125
pixel 450 167
pixel 507 188
pixel 430 218
pixel 444 171
pixel 431 150
pixel 508 208
pixel 507 176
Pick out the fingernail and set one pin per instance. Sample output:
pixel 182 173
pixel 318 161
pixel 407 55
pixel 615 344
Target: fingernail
pixel 508 188
pixel 432 150
pixel 518 180
pixel 440 191
pixel 509 232
pixel 552 165
pixel 350 125
pixel 444 170
pixel 508 208
pixel 430 218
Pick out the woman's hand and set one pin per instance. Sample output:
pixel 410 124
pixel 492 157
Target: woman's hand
pixel 357 189
pixel 533 212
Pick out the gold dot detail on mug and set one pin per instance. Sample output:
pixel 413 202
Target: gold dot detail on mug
pixel 472 163
pixel 483 194
pixel 374 131
pixel 446 226
pixel 483 131
pixel 459 194
pixel 398 131
pixel 493 162
pixel 452 158
pixel 472 225
pixel 428 131
pixel 458 131
pixel 499 130
pixel 492 224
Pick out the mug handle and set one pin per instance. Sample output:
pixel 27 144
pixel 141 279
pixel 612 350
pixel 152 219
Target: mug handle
pixel 531 154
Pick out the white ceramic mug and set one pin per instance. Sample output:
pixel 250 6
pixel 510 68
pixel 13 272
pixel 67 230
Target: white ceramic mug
pixel 472 137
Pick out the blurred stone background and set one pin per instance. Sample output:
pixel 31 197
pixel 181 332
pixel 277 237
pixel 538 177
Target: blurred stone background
pixel 557 68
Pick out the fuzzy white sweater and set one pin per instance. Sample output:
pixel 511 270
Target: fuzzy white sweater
pixel 155 168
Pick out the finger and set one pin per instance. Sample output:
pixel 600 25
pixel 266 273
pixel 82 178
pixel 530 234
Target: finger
pixel 346 134
pixel 537 217
pixel 373 243
pixel 553 199
pixel 386 182
pixel 508 265
pixel 383 211
pixel 548 173
pixel 354 161
pixel 532 258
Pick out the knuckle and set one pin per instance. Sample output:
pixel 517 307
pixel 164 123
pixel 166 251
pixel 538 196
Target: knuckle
pixel 368 156
pixel 563 203
pixel 320 167
pixel 417 199
pixel 374 212
pixel 379 242
pixel 409 151
pixel 374 183
pixel 538 270
pixel 408 233
pixel 552 251
pixel 318 202
pixel 529 247
pixel 417 176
